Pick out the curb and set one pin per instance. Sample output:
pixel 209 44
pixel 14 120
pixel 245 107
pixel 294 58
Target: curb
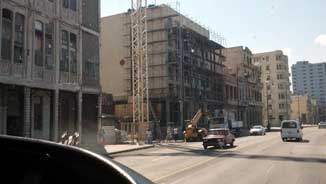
pixel 130 150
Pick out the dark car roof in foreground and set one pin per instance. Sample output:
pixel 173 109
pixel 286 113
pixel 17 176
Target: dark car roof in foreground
pixel 42 146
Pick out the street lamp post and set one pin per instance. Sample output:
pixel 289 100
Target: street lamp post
pixel 299 114
pixel 268 83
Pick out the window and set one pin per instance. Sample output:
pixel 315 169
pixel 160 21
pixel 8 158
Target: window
pixel 268 77
pixel 65 3
pixel 268 87
pixel 281 96
pixel 49 64
pixel 38 58
pixel 91 59
pixel 64 62
pixel 73 55
pixel 71 4
pixel 280 86
pixel 92 70
pixel 267 67
pixel 278 57
pixel 38 113
pixel 7 18
pixel 281 106
pixel 289 124
pixel 19 38
pixel 68 62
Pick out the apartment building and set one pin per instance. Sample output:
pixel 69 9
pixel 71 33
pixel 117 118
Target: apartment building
pixel 49 68
pixel 276 89
pixel 248 82
pixel 310 79
pixel 185 66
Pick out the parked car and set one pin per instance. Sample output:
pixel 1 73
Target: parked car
pixel 322 124
pixel 291 129
pixel 258 130
pixel 219 137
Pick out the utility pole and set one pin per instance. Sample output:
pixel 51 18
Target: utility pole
pixel 239 94
pixel 267 110
pixel 181 91
pixel 299 114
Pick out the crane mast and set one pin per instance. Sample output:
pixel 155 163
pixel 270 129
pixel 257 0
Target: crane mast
pixel 139 66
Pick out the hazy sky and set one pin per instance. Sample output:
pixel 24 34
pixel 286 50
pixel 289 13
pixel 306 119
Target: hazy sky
pixel 298 27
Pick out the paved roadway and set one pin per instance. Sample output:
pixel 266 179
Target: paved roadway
pixel 255 159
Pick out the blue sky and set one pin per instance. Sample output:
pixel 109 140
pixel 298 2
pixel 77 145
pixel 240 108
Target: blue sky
pixel 298 27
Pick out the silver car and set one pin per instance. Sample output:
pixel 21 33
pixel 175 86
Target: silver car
pixel 322 124
pixel 258 130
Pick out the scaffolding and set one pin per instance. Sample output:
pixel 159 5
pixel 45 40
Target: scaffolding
pixel 176 70
pixel 139 66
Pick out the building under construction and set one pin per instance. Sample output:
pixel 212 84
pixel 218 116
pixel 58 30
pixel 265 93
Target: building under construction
pixel 185 67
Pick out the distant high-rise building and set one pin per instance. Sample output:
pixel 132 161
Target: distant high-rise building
pixel 310 79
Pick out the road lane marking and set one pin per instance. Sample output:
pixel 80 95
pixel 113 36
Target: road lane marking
pixel 184 169
pixel 158 159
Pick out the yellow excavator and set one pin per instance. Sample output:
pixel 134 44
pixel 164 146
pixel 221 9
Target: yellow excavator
pixel 192 132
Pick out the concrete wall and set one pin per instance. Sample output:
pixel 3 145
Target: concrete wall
pixel 113 60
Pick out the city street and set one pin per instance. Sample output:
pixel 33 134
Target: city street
pixel 254 159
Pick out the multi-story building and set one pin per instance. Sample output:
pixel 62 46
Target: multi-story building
pixel 310 78
pixel 239 63
pixel 276 90
pixel 49 68
pixel 185 66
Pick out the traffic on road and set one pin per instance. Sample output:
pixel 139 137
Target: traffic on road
pixel 252 159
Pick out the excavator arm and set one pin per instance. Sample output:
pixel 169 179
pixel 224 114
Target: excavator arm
pixel 196 118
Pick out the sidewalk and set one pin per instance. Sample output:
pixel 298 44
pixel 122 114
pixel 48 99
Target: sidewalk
pixel 122 148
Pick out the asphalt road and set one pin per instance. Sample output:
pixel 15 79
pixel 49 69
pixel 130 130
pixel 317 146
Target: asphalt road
pixel 255 159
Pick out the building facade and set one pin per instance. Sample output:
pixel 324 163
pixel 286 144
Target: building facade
pixel 303 109
pixel 310 79
pixel 231 97
pixel 249 106
pixel 276 88
pixel 49 68
pixel 185 66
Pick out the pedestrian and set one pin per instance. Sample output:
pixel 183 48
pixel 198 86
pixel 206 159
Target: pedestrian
pixel 169 134
pixel 175 134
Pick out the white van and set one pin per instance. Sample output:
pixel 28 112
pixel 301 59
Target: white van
pixel 291 129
